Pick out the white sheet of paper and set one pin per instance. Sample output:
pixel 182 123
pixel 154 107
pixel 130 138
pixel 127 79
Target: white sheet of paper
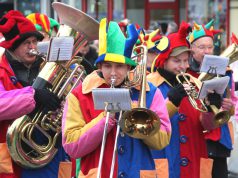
pixel 61 49
pixel 217 84
pixel 214 64
pixel 43 46
pixel 119 98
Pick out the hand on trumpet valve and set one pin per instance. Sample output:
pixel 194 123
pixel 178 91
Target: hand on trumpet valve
pixel 176 94
pixel 213 98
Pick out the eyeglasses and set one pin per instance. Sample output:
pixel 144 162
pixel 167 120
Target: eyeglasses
pixel 203 47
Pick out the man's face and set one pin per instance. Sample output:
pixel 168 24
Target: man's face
pixel 177 64
pixel 22 51
pixel 201 47
pixel 115 70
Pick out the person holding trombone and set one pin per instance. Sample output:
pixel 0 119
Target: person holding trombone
pixel 83 126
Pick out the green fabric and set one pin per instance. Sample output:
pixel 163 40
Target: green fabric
pixel 115 39
pixel 77 167
pixel 198 34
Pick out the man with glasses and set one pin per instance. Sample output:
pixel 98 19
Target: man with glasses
pixel 218 140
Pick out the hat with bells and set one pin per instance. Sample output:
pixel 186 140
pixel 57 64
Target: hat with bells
pixel 15 28
pixel 177 44
pixel 113 45
pixel 202 31
pixel 43 23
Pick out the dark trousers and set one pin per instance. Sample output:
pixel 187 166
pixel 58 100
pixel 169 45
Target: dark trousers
pixel 219 154
pixel 219 169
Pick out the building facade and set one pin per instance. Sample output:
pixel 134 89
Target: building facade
pixel 149 14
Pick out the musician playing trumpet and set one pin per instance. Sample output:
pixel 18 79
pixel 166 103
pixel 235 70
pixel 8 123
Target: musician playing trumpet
pixel 83 126
pixel 186 152
pixel 18 69
pixel 219 143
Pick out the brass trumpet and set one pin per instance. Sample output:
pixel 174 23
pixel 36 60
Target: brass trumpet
pixel 220 117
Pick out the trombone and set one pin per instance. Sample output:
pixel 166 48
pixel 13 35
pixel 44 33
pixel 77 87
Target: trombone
pixel 139 122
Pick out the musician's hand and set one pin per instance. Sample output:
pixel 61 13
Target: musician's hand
pixel 176 94
pixel 214 99
pixel 227 104
pixel 47 99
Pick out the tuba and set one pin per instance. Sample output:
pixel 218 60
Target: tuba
pixel 60 78
pixel 139 122
pixel 220 117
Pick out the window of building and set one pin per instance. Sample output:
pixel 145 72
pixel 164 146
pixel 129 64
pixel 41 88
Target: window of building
pixel 97 8
pixel 28 6
pixel 136 11
pixel 118 7
pixel 74 3
pixel 202 12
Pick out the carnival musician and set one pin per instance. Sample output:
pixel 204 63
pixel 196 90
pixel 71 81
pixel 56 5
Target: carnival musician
pixel 83 126
pixel 18 69
pixel 219 143
pixel 186 152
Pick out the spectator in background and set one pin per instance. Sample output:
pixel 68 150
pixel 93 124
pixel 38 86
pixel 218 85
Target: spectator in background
pixel 171 28
pixel 89 54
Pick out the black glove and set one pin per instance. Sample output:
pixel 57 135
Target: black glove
pixel 47 99
pixel 176 94
pixel 214 99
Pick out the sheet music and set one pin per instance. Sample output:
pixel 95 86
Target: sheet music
pixel 43 46
pixel 61 49
pixel 117 98
pixel 217 84
pixel 214 64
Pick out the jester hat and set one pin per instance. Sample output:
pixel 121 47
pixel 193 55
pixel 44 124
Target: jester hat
pixel 202 31
pixel 16 28
pixel 154 41
pixel 43 23
pixel 113 45
pixel 177 44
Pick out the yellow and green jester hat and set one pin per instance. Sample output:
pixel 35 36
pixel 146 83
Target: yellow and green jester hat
pixel 113 45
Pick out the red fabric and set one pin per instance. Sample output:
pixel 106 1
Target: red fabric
pixel 91 160
pixel 214 134
pixel 43 22
pixel 5 74
pixel 73 172
pixel 195 147
pixel 14 24
pixel 176 40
